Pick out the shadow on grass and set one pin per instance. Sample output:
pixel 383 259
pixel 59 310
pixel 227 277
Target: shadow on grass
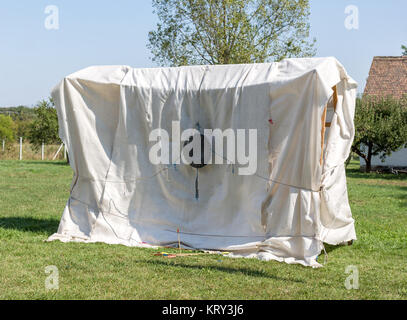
pixel 357 174
pixel 330 248
pixel 27 224
pixel 230 270
pixel 55 163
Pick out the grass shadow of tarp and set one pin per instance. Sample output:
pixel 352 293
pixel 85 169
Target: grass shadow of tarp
pixel 330 248
pixel 357 174
pixel 28 224
pixel 226 269
pixel 55 163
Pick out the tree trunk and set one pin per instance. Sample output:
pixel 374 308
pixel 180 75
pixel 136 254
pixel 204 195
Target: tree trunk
pixel 369 158
pixel 368 166
pixel 360 154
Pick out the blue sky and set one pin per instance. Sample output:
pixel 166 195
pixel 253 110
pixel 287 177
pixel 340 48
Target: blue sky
pixel 104 32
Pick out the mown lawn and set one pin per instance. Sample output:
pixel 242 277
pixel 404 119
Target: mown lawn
pixel 33 195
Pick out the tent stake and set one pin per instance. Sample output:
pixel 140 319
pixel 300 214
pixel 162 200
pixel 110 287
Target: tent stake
pixel 179 241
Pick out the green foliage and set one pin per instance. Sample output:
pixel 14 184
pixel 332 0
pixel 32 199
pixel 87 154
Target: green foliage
pixel 45 126
pixel 381 127
pixel 22 117
pixel 404 48
pixel 230 31
pixel 7 127
pixel 23 127
pixel 20 113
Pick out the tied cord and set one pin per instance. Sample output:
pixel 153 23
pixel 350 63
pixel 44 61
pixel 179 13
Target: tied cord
pixel 325 254
pixel 268 179
pixel 197 184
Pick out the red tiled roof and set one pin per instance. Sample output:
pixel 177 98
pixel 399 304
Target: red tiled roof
pixel 387 76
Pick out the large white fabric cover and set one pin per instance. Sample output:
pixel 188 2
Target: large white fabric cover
pixel 284 212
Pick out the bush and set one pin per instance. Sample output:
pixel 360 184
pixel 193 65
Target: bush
pixel 44 129
pixel 7 128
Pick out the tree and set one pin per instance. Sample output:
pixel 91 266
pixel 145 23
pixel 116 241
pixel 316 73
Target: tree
pixel 230 31
pixel 381 127
pixel 23 127
pixel 404 48
pixel 7 127
pixel 45 126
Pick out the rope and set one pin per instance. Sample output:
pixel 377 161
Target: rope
pixel 269 179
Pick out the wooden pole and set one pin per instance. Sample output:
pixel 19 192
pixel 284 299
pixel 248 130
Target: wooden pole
pixel 324 124
pixel 323 119
pixel 3 144
pixel 335 97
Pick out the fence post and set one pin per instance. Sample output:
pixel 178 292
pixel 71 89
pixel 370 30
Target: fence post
pixel 3 144
pixel 64 151
pixel 42 151
pixel 59 149
pixel 21 148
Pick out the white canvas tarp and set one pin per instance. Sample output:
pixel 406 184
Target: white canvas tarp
pixel 285 211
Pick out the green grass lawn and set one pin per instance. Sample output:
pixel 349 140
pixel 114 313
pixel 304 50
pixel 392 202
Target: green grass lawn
pixel 32 198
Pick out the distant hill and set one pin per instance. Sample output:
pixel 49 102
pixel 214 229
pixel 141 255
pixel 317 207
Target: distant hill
pixel 20 113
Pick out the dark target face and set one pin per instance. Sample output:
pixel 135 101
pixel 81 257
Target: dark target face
pixel 198 148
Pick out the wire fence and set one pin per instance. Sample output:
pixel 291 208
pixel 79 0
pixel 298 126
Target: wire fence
pixel 23 150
